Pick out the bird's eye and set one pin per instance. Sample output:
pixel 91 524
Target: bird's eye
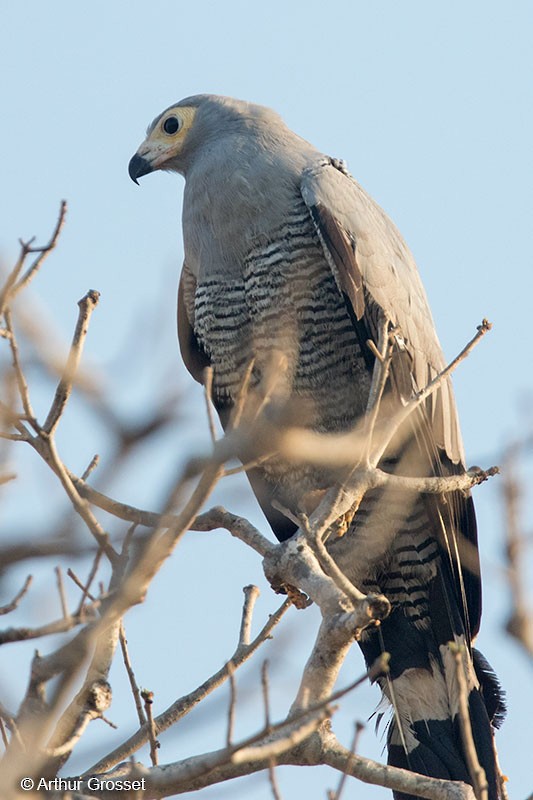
pixel 171 125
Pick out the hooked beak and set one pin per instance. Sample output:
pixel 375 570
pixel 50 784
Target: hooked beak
pixel 138 167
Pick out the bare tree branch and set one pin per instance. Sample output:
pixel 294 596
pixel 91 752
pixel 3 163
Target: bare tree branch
pixel 7 609
pixel 131 676
pixel 62 595
pixel 19 374
pixel 10 635
pixel 185 704
pixel 87 304
pixel 13 285
pixel 68 687
pixel 208 395
pixel 148 698
pixel 336 795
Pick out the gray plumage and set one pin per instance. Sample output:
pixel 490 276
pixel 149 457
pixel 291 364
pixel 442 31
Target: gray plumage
pixel 286 254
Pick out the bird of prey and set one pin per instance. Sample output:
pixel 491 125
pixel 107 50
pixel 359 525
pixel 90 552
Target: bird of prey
pixel 286 254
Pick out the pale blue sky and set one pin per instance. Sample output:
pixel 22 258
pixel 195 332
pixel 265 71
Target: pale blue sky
pixel 430 104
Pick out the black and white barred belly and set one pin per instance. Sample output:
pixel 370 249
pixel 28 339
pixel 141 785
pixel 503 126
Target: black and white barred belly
pixel 286 304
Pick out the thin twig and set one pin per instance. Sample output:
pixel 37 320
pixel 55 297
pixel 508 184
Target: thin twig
pixel 13 437
pixel 42 251
pixel 17 421
pixel 399 780
pixel 91 467
pixel 250 752
pixel 184 705
pixel 336 795
pixel 62 595
pixel 46 448
pixel 148 698
pixel 271 379
pixel 8 720
pixel 241 528
pixel 109 722
pixel 268 727
pixel 379 380
pixel 276 793
pixel 232 704
pixel 5 292
pixel 396 420
pixel 298 731
pixel 502 780
pixel 251 593
pixel 329 565
pixel 379 668
pixel 7 609
pixel 302 445
pixel 97 699
pixel 380 351
pixel 286 512
pixel 95 695
pixel 217 517
pixel 238 408
pixel 291 732
pixel 208 396
pixel 72 575
pixel 13 285
pixel 68 746
pixel 10 635
pixel 19 373
pixel 90 579
pixel 131 676
pixel 265 690
pixel 25 549
pixel 245 467
pixel 87 304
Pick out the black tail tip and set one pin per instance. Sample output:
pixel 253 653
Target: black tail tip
pixel 491 690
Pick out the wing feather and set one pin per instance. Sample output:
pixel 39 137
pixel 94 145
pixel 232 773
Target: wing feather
pixel 373 265
pixel 377 273
pixel 194 357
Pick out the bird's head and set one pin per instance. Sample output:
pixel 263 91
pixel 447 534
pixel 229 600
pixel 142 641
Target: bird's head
pixel 166 140
pixel 182 130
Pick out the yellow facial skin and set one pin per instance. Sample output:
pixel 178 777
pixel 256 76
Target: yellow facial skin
pixel 160 146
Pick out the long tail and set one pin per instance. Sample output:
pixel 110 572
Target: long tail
pixel 425 733
pixel 429 622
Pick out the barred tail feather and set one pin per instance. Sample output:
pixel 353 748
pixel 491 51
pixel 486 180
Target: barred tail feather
pixel 428 624
pixel 424 734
